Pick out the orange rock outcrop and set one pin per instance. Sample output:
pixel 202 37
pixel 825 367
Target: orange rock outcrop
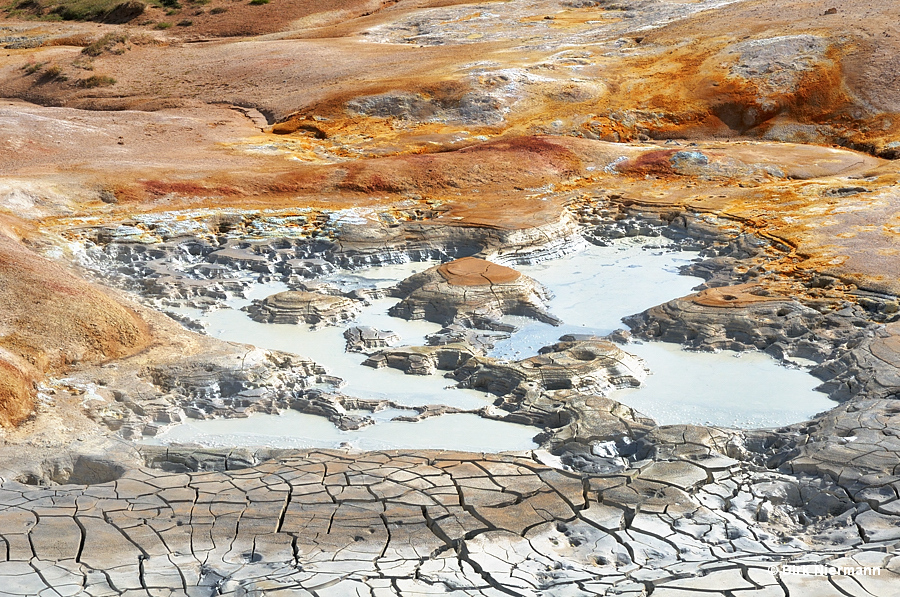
pixel 16 390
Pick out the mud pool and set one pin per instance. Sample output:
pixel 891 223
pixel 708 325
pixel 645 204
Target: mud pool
pixel 598 286
pixel 326 345
pixel 593 289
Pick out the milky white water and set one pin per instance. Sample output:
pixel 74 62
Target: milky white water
pixel 593 289
pixel 596 287
pixel 326 347
pixel 465 432
pixel 744 390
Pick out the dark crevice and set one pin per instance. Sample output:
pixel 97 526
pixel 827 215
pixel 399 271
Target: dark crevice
pixel 81 540
pixel 284 508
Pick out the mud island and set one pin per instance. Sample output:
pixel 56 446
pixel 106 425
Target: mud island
pixel 414 297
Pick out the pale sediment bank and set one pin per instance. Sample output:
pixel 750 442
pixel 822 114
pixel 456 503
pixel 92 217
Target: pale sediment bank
pixel 293 430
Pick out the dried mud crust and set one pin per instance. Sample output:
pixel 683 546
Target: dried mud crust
pixel 403 523
pixel 470 292
pixel 470 271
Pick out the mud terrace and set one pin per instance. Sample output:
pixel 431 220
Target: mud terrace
pixel 303 307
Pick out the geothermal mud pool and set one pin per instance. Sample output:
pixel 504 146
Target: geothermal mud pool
pixel 593 289
pixel 598 286
pixel 468 433
pixel 202 158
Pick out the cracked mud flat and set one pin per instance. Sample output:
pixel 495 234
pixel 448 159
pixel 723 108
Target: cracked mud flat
pixel 336 524
pixel 173 169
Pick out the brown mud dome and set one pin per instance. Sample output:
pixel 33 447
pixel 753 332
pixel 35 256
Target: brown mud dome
pixel 154 156
pixel 470 271
pixel 470 292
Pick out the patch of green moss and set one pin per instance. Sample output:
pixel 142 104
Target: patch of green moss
pixel 113 11
pixel 96 81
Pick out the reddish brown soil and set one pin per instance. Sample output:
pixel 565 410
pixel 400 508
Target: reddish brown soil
pixel 16 394
pixel 59 319
pixel 740 295
pixel 52 320
pixel 471 271
pixel 675 83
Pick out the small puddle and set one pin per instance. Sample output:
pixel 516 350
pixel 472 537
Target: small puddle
pixel 593 289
